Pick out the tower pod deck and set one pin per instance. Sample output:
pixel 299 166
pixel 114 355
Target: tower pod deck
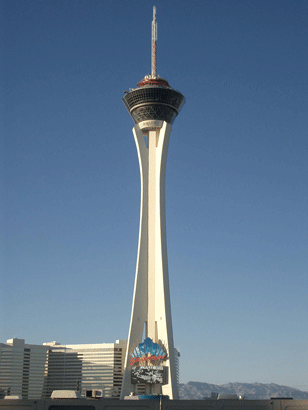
pixel 153 102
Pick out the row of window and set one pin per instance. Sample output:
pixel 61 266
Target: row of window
pixel 154 94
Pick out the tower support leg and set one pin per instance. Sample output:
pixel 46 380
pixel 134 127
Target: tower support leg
pixel 151 309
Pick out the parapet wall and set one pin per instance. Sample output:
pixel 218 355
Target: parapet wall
pixel 111 404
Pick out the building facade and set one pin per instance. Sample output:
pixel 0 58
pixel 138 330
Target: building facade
pixel 34 371
pixel 23 368
pixel 85 367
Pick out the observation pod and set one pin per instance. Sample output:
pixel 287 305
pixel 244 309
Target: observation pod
pixel 153 99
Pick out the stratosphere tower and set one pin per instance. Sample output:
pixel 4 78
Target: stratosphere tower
pixel 150 362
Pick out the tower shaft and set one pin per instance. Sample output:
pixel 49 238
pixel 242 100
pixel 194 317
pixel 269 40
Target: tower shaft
pixel 151 313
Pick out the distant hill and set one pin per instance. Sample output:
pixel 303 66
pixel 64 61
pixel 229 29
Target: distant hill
pixel 196 390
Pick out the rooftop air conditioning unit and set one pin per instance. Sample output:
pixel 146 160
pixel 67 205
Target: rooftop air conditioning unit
pixel 65 394
pixel 95 394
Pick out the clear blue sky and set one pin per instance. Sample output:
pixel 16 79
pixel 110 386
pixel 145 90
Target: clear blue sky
pixel 236 184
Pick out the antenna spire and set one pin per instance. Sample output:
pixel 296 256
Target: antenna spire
pixel 154 43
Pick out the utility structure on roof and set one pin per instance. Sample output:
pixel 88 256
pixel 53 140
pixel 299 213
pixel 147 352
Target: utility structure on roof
pixel 150 363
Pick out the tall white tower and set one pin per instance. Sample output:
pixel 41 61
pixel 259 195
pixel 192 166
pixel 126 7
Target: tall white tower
pixel 150 365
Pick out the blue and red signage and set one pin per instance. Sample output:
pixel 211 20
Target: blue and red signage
pixel 147 352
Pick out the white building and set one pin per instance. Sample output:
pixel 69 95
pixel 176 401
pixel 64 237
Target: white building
pixel 34 371
pixel 85 366
pixel 22 368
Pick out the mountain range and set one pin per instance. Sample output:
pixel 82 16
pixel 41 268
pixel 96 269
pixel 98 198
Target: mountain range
pixel 251 391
